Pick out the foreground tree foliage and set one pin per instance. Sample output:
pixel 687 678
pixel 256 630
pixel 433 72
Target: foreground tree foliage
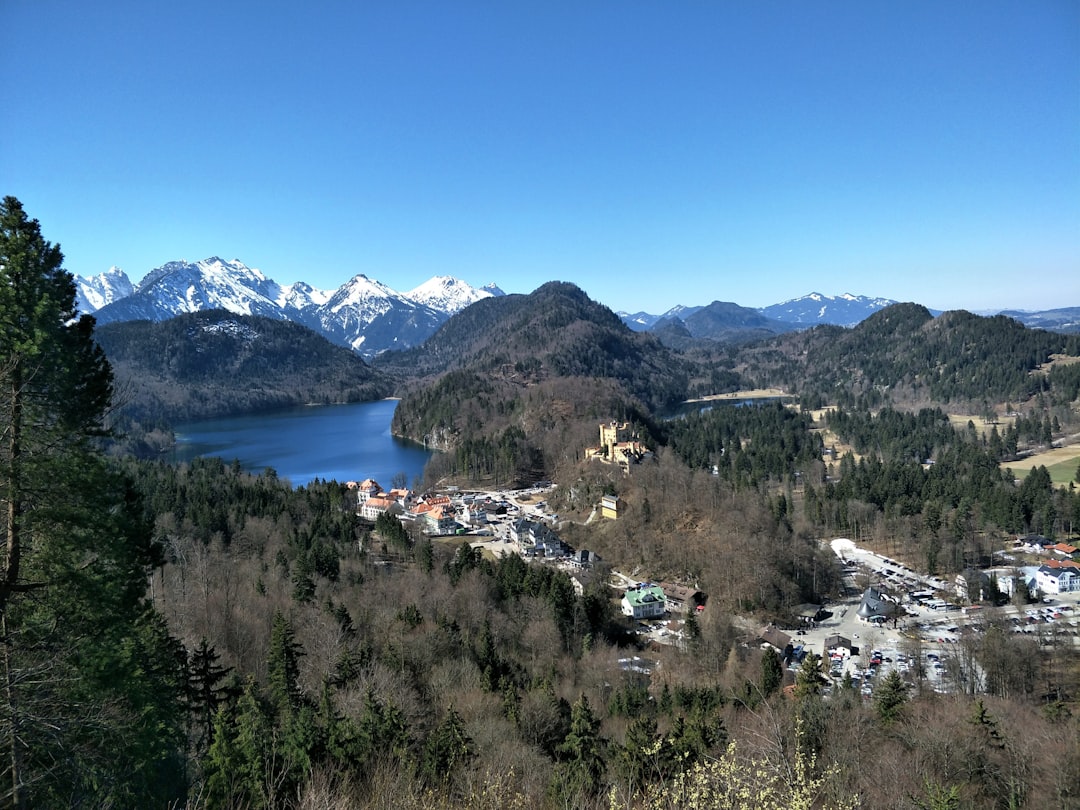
pixel 91 713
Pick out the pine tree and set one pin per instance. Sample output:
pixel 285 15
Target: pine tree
pixel 583 750
pixel 92 681
pixel 284 666
pixel 772 672
pixel 208 688
pixel 891 697
pixel 448 749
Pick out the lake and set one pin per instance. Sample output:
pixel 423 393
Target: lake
pixel 341 442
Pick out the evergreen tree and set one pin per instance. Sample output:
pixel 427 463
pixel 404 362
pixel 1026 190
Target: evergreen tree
pixel 890 697
pixel 208 687
pixel 447 749
pixel 284 666
pixel 91 699
pixel 583 751
pixel 639 754
pixel 809 678
pixel 772 672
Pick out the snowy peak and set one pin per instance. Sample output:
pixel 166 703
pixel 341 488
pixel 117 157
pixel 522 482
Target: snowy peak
pixel 91 294
pixel 447 294
pixel 301 296
pixel 361 291
pixel 363 314
pixel 815 308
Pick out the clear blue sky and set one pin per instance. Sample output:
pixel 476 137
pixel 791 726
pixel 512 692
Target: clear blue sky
pixel 652 153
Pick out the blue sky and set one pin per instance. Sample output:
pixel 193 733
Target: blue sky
pixel 653 153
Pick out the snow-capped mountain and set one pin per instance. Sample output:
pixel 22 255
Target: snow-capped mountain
pixel 183 286
pixel 643 321
pixel 447 294
pixel 93 293
pixel 815 308
pixel 363 314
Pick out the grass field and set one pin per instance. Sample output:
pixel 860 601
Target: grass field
pixel 1060 462
pixel 960 421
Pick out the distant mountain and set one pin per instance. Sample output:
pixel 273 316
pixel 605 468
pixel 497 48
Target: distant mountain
pixel 216 363
pixel 906 353
pixel 363 314
pixel 643 321
pixel 92 294
pixel 731 323
pixel 532 371
pixel 815 308
pixel 1055 320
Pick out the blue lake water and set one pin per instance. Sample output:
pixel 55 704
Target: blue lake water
pixel 340 442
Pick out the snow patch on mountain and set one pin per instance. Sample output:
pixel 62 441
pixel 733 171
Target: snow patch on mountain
pixel 91 294
pixel 447 294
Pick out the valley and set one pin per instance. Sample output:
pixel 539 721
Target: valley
pixel 580 601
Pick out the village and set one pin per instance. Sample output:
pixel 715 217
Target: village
pixel 889 617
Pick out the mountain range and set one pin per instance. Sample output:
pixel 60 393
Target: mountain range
pixel 363 314
pixel 370 317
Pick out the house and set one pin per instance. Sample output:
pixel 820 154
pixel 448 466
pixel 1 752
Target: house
pixel 877 607
pixel 527 532
pixel 1007 579
pixel 837 643
pixel 584 559
pixel 808 613
pixel 377 505
pixel 1033 542
pixel 368 488
pixel 472 514
pixel 402 496
pixel 1064 549
pixel 1058 579
pixel 644 601
pixel 494 507
pixel 683 599
pixel 779 640
pixel 435 519
pixel 610 505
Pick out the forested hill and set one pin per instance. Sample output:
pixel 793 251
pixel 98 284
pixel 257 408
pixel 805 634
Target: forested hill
pixel 553 360
pixel 906 353
pixel 215 363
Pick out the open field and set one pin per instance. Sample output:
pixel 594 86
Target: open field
pixel 1060 462
pixel 830 439
pixel 757 393
pixel 960 422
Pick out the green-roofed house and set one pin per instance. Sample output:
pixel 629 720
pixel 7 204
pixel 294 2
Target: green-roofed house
pixel 644 601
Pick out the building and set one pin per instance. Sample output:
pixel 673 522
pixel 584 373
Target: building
pixel 584 559
pixel 368 488
pixel 1058 578
pixel 644 601
pixel 614 433
pixel 618 445
pixel 377 505
pixel 610 506
pixel 876 607
pixel 435 519
pixel 973 585
pixel 683 599
pixel 835 643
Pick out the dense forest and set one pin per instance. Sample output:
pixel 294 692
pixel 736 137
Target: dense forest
pixel 206 364
pixel 913 357
pixel 518 358
pixel 196 636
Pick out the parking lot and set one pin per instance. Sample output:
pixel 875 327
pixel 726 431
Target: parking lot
pixel 931 633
